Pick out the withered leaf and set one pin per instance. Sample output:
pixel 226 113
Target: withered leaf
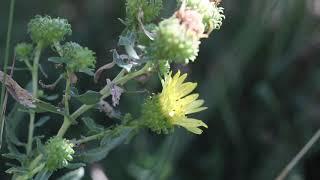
pixel 17 92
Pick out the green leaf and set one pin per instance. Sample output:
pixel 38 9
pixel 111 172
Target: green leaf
pixel 11 136
pixel 43 175
pixel 89 98
pixel 51 97
pixel 40 146
pixel 75 165
pixel 19 157
pixel 42 121
pixel 16 170
pixel 92 125
pixel 42 106
pixel 131 52
pixel 127 39
pixel 58 60
pixel 73 175
pixel 87 71
pixel 111 140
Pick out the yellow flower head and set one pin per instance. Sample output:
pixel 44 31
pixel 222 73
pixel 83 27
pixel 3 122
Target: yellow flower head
pixel 172 106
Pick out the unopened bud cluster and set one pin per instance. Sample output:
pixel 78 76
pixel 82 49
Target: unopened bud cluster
pixel 59 152
pixel 23 51
pixel 48 30
pixel 78 57
pixel 178 37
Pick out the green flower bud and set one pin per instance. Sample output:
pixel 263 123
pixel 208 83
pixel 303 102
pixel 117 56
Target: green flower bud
pixel 23 51
pixel 48 30
pixel 172 106
pixel 59 152
pixel 79 58
pixel 150 8
pixel 175 42
pixel 212 15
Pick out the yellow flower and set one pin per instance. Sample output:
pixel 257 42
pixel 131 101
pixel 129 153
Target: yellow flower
pixel 173 105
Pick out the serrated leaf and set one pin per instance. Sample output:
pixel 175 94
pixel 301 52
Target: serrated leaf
pixel 73 175
pixel 92 125
pixel 58 60
pixel 42 121
pixel 108 143
pixel 87 71
pixel 43 175
pixel 89 97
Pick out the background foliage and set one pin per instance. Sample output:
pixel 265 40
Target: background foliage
pixel 259 75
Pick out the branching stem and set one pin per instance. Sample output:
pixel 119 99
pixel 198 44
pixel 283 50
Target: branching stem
pixel 121 79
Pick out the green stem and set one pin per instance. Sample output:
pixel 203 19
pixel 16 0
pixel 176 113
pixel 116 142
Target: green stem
pixel 105 92
pixel 34 167
pixel 90 138
pixel 28 64
pixel 35 79
pixel 5 66
pixel 67 121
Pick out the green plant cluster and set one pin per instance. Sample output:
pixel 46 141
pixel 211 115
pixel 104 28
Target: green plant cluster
pixel 148 48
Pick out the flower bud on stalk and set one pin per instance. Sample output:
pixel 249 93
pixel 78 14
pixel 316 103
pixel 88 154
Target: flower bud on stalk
pixel 48 30
pixel 59 152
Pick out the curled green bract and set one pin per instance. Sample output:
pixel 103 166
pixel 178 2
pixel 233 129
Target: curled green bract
pixel 173 105
pixel 48 30
pixel 78 57
pixel 23 51
pixel 59 152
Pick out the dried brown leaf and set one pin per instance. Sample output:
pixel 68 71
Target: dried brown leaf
pixel 17 92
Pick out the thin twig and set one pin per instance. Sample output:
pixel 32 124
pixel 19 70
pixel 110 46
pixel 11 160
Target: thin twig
pixel 299 156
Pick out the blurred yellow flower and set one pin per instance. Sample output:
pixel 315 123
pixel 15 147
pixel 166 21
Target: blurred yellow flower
pixel 172 106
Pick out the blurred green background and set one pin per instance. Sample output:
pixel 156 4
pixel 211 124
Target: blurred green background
pixel 259 75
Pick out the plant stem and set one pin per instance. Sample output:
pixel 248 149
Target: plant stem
pixel 66 121
pixel 5 66
pixel 33 168
pixel 90 138
pixel 105 92
pixel 35 77
pixel 299 156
